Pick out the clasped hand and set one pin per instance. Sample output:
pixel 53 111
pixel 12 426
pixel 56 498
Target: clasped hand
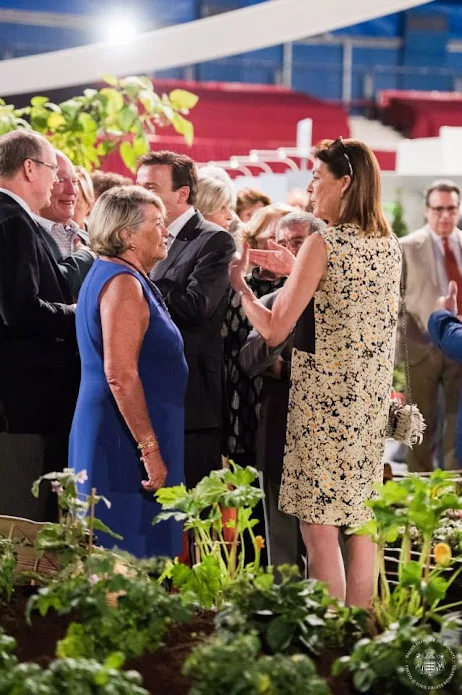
pixel 277 260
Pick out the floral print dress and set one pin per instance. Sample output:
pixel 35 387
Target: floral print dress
pixel 339 398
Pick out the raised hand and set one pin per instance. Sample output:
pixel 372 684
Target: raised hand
pixel 450 301
pixel 277 259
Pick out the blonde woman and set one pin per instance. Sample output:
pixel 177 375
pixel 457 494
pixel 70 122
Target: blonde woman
pixel 243 391
pixel 216 199
pixel 85 197
pixel 128 426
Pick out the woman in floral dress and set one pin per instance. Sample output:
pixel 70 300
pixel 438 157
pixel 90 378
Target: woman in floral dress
pixel 339 396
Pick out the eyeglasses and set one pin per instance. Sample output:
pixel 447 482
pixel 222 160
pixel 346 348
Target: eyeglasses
pixel 53 167
pixel 340 142
pixel 439 209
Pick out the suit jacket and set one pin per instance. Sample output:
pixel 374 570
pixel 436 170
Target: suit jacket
pixel 421 291
pixel 194 282
pixel 256 357
pixel 39 366
pixel 75 267
pixel 445 330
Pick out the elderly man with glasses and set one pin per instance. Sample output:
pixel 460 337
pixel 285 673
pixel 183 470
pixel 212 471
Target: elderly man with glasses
pixel 67 242
pixel 39 365
pixel 432 258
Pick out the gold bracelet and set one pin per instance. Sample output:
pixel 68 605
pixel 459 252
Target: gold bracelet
pixel 150 441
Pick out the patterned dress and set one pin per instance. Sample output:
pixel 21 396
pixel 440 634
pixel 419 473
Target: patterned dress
pixel 339 398
pixel 243 391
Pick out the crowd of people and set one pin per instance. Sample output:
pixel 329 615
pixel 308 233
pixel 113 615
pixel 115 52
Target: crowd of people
pixel 137 345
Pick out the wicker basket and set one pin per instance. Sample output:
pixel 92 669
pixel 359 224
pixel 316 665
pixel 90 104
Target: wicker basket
pixel 19 529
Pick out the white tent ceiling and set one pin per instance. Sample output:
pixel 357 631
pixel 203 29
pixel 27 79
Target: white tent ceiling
pixel 247 29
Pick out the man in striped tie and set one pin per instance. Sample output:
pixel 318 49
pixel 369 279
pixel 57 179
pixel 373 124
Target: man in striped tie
pixel 432 258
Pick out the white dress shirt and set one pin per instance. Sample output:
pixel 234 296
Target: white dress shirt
pixel 438 253
pixel 65 235
pixel 175 227
pixel 18 199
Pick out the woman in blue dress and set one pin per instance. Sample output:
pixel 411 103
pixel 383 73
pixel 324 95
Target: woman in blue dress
pixel 128 426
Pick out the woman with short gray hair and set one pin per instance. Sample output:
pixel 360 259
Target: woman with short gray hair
pixel 129 419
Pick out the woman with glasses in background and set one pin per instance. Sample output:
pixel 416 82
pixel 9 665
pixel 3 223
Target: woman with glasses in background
pixel 339 398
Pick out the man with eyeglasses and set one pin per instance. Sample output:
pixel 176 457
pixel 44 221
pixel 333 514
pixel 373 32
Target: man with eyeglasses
pixel 39 366
pixel 68 243
pixel 432 257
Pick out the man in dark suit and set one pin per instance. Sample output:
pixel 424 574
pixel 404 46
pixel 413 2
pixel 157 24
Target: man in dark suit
pixel 194 282
pixel 39 367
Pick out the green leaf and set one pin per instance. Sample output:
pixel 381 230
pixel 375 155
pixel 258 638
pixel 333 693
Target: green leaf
pixel 128 155
pixel 110 79
pixel 140 146
pixel 101 677
pixel 98 525
pixel 126 117
pixel 70 108
pixel 87 122
pixel 181 99
pixel 264 582
pixel 411 574
pixel 114 660
pixel 279 634
pixel 363 679
pixel 38 101
pixel 114 100
pixel 150 100
pixel 56 120
pixel 434 590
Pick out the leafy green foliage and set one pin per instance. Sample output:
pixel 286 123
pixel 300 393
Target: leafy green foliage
pixel 379 665
pixel 72 537
pixel 398 224
pixel 65 676
pixel 236 668
pixel 291 616
pixel 218 562
pixel 90 126
pixel 118 612
pixel 8 563
pixel 401 508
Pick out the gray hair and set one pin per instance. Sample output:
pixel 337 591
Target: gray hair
pixel 300 219
pixel 213 193
pixel 17 146
pixel 115 210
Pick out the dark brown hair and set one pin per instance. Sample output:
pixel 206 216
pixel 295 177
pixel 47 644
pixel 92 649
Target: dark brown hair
pixel 362 201
pixel 182 167
pixel 17 146
pixel 444 185
pixel 105 180
pixel 248 197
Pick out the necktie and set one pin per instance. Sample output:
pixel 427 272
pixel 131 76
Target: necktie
pixel 452 269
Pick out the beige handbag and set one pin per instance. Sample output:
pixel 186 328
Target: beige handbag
pixel 405 422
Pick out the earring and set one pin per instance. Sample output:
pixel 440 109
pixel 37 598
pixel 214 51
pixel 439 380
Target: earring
pixel 132 247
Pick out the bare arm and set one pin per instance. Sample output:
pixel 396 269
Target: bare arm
pixel 276 324
pixel 124 321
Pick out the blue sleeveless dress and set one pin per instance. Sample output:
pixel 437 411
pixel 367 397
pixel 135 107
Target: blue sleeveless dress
pixel 101 442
